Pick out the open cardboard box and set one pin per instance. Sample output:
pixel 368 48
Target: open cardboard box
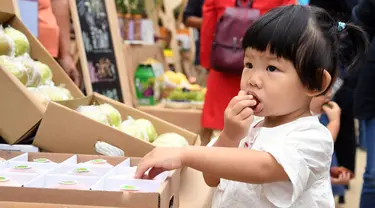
pixel 165 197
pixel 20 111
pixel 75 133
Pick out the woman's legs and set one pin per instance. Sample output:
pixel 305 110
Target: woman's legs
pixel 368 189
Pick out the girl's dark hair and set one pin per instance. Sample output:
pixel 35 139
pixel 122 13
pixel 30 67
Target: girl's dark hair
pixel 307 36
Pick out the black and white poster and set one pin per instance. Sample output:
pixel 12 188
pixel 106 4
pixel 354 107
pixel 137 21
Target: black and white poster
pixel 98 45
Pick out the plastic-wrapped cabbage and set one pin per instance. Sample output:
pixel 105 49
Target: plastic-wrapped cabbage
pixel 42 97
pixel 149 128
pixel 21 43
pixel 32 70
pixel 15 68
pixel 6 44
pixel 113 116
pixel 94 113
pixel 170 140
pixel 45 73
pixel 129 127
pixel 56 93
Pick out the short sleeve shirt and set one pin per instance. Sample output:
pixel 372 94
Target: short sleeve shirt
pixel 304 149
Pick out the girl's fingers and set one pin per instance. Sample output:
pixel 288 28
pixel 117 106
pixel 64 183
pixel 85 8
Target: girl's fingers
pixel 240 106
pixel 238 99
pixel 245 113
pixel 155 172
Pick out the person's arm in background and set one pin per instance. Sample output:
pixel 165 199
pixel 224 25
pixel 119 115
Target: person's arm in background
pixel 333 112
pixel 61 10
pixel 193 13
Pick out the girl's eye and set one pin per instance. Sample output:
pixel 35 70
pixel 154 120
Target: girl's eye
pixel 249 65
pixel 272 69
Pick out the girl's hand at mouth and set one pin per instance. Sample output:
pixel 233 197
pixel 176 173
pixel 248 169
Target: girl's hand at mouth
pixel 238 116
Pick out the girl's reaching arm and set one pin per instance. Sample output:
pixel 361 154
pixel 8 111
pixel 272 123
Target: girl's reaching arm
pixel 236 164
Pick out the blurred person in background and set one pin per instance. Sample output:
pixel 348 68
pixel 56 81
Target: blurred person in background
pixel 222 87
pixel 192 17
pixel 329 113
pixel 54 34
pixel 345 145
pixel 364 99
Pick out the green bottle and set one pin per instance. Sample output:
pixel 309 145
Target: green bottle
pixel 144 80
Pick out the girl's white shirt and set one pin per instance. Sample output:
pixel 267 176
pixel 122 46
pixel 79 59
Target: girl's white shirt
pixel 304 149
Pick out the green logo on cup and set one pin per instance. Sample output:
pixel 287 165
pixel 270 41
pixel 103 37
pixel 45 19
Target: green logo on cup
pixel 81 170
pixel 22 167
pixel 98 161
pixel 3 179
pixel 68 183
pixel 129 188
pixel 42 160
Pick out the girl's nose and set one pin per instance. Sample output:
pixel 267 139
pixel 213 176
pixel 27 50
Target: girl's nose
pixel 255 80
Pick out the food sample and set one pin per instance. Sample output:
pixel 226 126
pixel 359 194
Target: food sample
pixel 83 172
pixel 42 160
pixel 69 185
pixel 129 188
pixel 6 181
pixel 22 169
pixel 101 162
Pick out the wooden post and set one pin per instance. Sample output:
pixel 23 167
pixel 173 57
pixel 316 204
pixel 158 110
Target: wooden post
pixel 169 22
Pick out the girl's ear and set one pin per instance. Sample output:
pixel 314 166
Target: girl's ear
pixel 327 78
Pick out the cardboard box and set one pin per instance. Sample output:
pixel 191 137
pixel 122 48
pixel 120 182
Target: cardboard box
pixel 193 190
pixel 165 197
pixel 75 133
pixel 43 205
pixel 20 111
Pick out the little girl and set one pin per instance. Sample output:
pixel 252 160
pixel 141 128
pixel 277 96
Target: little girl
pixel 291 56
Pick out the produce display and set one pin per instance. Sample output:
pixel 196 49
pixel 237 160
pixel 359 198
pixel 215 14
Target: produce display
pixel 139 128
pixel 35 75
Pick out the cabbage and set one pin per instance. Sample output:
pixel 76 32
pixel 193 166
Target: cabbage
pixel 56 93
pixel 6 44
pixel 21 43
pixel 32 70
pixel 15 68
pixel 170 140
pixel 50 93
pixel 149 128
pixel 45 73
pixel 113 116
pixel 131 128
pixel 94 113
pixel 42 97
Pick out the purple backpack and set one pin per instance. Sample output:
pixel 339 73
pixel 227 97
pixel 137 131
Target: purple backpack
pixel 227 54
